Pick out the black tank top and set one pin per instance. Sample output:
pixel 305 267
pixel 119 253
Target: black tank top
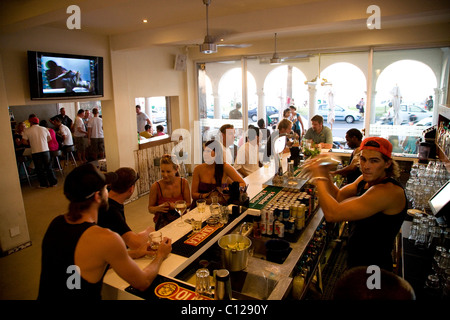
pixel 371 240
pixel 58 252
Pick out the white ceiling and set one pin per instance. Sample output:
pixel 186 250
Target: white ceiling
pixel 240 21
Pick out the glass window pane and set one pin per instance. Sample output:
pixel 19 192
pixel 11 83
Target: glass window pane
pixel 220 99
pixel 404 82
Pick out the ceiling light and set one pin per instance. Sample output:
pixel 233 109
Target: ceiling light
pixel 144 20
pixel 208 48
pixel 275 58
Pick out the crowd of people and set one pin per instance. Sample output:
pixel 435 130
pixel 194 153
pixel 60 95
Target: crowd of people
pixel 145 126
pixel 36 139
pixel 94 234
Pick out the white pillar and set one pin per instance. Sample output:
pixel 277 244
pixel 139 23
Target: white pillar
pixel 289 85
pixel 217 114
pixel 261 109
pixel 438 96
pixel 148 108
pixel 312 100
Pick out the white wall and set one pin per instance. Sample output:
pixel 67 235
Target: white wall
pixel 142 73
pixel 14 91
pixel 127 74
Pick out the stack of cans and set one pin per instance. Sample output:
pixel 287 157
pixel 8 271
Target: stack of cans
pixel 286 212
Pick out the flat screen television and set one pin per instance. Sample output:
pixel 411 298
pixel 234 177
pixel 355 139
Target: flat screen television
pixel 64 76
pixel 440 201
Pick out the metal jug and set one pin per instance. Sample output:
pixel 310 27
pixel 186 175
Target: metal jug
pixel 223 285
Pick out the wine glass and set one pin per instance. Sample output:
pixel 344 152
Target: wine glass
pixel 180 207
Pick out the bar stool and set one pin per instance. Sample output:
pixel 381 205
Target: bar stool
pixel 69 150
pixel 22 162
pixel 55 156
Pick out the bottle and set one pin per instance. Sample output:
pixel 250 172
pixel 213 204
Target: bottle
pixel 298 285
pixel 291 169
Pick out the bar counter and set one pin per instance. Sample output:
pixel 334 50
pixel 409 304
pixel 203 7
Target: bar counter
pixel 114 287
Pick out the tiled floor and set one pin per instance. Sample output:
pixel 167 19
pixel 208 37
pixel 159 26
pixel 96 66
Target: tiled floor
pixel 19 272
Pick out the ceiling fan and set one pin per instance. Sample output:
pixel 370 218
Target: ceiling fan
pixel 209 44
pixel 318 79
pixel 276 59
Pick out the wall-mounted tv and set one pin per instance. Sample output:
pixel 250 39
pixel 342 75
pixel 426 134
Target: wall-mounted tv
pixel 64 76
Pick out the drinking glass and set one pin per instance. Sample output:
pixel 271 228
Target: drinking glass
pixel 180 207
pixel 224 213
pixel 443 264
pixel 201 206
pixel 202 285
pixel 437 257
pixel 414 170
pixel 196 225
pixel 196 221
pixel 214 200
pixel 422 236
pixel 215 211
pixel 154 240
pixel 413 233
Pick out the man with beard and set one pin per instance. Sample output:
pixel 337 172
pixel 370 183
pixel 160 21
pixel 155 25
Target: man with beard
pixel 76 251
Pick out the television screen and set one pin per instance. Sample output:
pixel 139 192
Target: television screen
pixel 59 76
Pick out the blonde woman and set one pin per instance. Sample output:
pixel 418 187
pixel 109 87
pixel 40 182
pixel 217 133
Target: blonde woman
pixel 166 191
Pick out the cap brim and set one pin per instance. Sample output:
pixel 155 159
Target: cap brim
pixel 110 177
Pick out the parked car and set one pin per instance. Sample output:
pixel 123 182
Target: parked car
pixel 158 117
pixel 413 113
pixel 340 113
pixel 425 122
pixel 253 113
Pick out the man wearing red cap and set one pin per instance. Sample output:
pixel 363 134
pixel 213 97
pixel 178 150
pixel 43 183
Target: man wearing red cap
pixel 38 137
pixel 375 204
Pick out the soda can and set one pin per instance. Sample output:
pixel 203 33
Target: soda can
pixel 263 227
pixel 281 230
pixel 286 214
pixel 276 214
pixel 290 226
pixel 300 221
pixel 308 204
pixel 269 229
pixel 276 227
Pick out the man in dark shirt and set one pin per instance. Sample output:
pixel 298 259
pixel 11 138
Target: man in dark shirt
pixel 352 171
pixel 65 120
pixel 76 252
pixel 114 218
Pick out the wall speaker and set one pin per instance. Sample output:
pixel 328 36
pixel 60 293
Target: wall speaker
pixel 180 62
